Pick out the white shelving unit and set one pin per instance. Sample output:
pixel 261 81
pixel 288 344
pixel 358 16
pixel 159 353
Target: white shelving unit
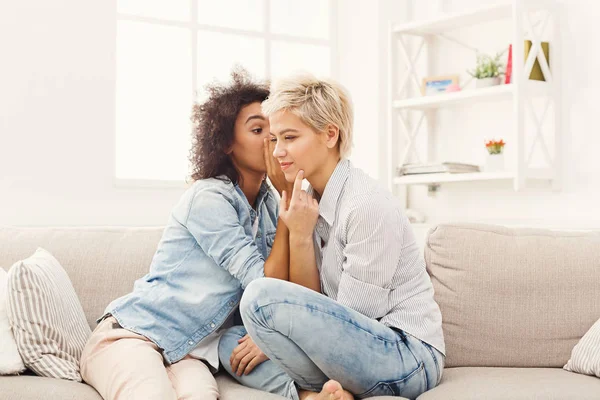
pixel 458 98
pixel 521 92
pixel 428 179
pixel 452 21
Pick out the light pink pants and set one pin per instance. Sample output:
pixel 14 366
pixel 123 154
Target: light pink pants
pixel 122 365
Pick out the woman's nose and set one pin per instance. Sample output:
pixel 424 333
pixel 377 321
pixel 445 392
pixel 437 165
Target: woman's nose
pixel 278 151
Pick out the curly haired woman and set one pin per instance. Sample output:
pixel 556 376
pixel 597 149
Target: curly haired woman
pixel 161 340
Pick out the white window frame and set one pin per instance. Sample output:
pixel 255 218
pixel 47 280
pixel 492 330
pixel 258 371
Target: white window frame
pixel 194 28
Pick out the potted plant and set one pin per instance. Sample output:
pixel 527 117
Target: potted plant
pixel 487 70
pixel 495 156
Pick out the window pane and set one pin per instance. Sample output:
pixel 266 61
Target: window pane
pixel 177 10
pixel 218 52
pixel 154 93
pixel 308 18
pixel 239 14
pixel 289 57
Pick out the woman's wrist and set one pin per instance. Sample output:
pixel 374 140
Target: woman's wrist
pixel 300 239
pixel 281 226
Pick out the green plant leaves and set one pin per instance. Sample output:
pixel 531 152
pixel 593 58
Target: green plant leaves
pixel 487 66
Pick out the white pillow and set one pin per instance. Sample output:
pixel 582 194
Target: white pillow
pixel 48 322
pixel 585 357
pixel 10 359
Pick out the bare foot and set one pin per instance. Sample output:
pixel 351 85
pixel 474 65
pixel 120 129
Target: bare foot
pixel 332 390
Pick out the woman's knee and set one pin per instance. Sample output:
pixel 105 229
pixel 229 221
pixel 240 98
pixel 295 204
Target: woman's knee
pixel 202 391
pixel 261 291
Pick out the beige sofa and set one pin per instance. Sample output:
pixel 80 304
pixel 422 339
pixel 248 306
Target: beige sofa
pixel 514 303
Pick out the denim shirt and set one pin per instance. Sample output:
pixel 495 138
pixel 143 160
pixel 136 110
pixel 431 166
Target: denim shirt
pixel 205 259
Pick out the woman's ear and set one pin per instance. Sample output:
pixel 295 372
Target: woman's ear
pixel 333 136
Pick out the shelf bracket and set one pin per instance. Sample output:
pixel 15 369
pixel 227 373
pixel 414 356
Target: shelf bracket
pixel 411 135
pixel 453 40
pixel 410 63
pixel 538 134
pixel 536 50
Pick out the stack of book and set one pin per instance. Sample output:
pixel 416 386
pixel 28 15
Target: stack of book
pixel 437 168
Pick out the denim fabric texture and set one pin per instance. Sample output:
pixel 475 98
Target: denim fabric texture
pixel 310 338
pixel 206 257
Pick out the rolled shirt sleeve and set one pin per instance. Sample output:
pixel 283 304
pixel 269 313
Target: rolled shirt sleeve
pixel 216 226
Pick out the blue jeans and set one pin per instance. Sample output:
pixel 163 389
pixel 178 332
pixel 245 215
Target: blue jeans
pixel 310 338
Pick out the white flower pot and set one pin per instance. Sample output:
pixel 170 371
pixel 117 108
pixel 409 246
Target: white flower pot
pixel 487 82
pixel 494 163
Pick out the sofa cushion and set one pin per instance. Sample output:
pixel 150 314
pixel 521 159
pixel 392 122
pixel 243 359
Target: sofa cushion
pixel 513 297
pixel 102 263
pixel 513 383
pixel 46 317
pixel 27 387
pixel 229 389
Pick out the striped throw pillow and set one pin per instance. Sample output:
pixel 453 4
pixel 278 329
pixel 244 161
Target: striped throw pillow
pixel 48 322
pixel 10 360
pixel 585 357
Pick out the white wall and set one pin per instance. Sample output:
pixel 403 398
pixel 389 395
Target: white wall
pixel 358 63
pixel 57 112
pixel 57 80
pixel 363 68
pixel 57 118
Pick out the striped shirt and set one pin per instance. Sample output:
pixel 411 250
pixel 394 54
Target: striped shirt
pixel 368 258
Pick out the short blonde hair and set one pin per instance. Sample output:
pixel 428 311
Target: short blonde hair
pixel 316 102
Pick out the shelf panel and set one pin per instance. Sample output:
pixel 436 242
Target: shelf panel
pixel 463 97
pixel 427 179
pixel 455 20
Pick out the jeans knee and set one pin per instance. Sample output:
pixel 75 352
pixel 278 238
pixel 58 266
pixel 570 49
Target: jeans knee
pixel 255 290
pixel 236 332
pixel 259 293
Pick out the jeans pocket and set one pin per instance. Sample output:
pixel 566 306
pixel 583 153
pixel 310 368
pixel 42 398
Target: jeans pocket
pixel 411 386
pixel 270 239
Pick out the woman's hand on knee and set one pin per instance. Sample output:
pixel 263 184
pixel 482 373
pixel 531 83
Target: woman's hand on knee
pixel 246 356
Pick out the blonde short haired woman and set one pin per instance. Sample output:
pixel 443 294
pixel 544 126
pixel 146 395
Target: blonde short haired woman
pixel 358 317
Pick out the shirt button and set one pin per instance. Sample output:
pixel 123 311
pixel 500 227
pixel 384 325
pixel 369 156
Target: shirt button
pixel 190 343
pixel 212 325
pixel 230 304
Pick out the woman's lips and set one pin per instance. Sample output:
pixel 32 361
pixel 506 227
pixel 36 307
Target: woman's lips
pixel 285 165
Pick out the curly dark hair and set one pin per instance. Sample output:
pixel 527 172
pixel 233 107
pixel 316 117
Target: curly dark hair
pixel 214 122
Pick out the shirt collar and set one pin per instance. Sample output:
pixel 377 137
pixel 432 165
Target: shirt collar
pixel 333 190
pixel 263 192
